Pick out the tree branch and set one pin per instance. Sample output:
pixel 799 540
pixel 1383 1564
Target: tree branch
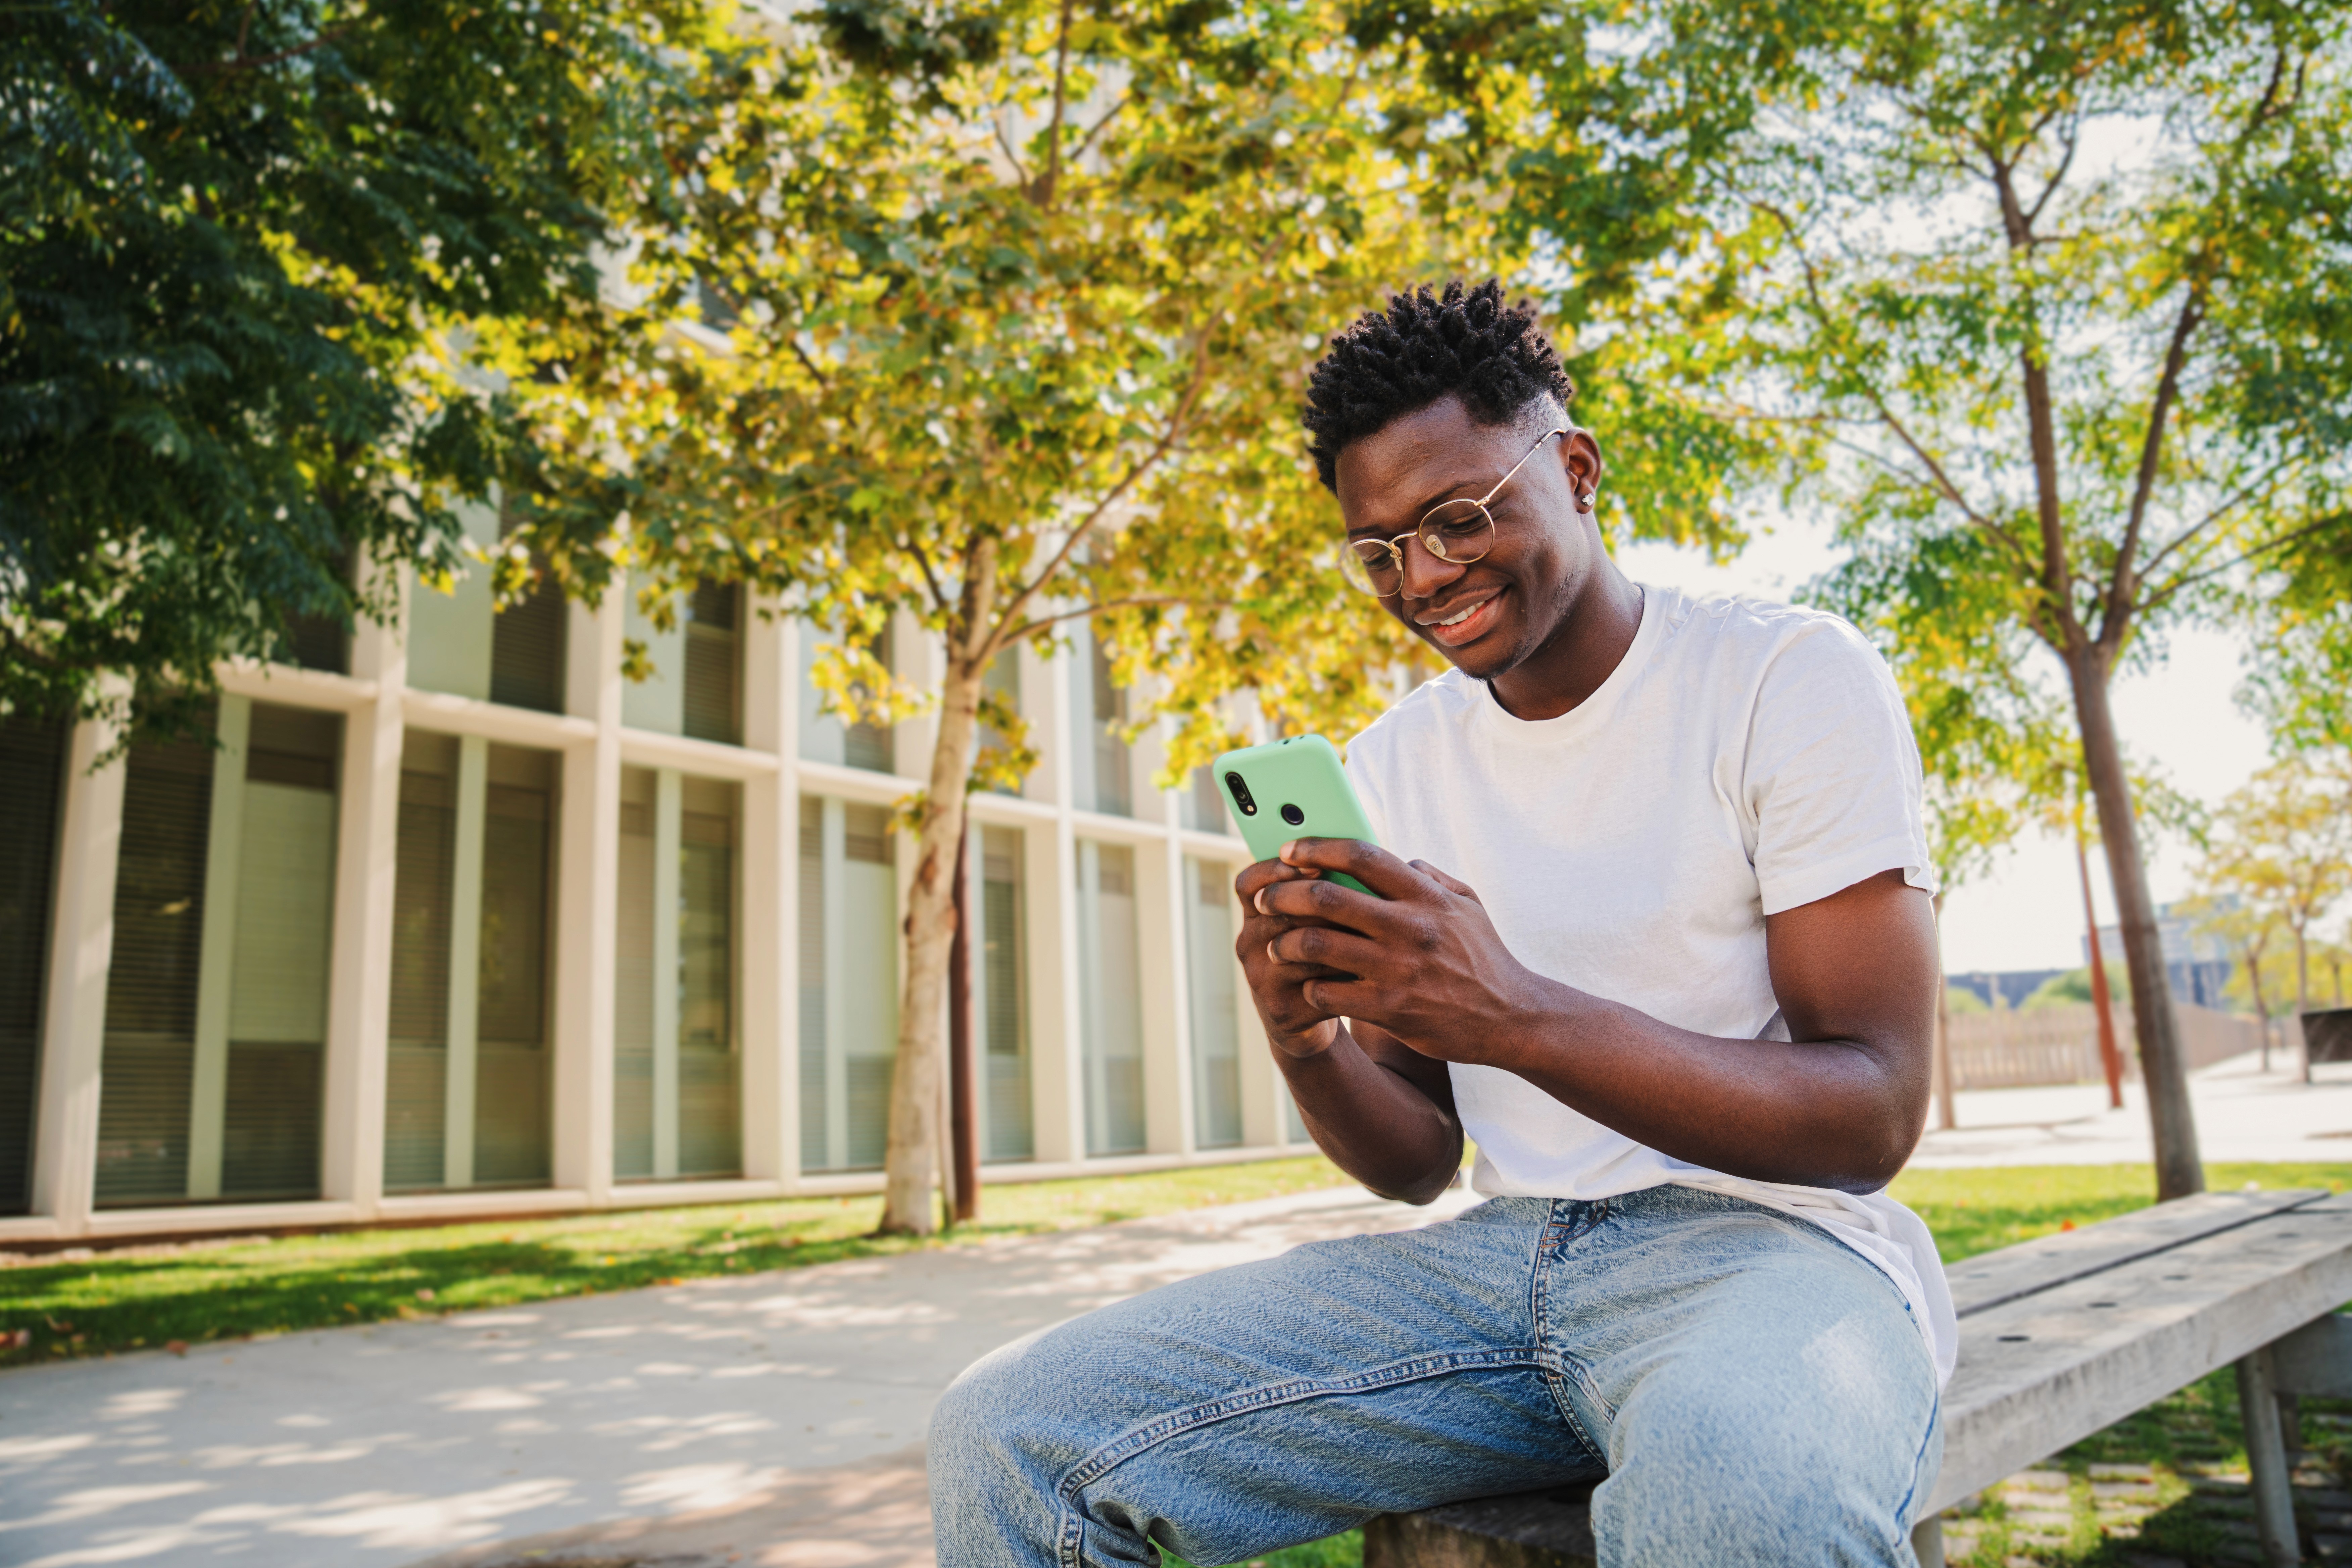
pixel 930 580
pixel 242 63
pixel 1109 115
pixel 1031 628
pixel 1053 130
pixel 1020 170
pixel 2190 579
pixel 2245 493
pixel 2116 613
pixel 1177 423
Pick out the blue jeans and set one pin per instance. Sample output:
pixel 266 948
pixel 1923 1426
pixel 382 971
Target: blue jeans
pixel 1752 1389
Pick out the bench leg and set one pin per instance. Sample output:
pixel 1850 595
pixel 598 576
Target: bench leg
pixel 2266 1459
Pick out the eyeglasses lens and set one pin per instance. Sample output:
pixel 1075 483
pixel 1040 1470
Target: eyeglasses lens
pixel 1458 531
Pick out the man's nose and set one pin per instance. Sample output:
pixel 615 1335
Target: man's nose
pixel 1425 573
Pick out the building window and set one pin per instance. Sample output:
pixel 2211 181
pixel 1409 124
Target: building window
pixel 1204 804
pixel 1216 1023
pixel 527 646
pixel 1110 998
pixel 1100 774
pixel 824 738
pixel 467 1090
pixel 999 1002
pixel 216 998
pixel 849 982
pixel 714 662
pixel 32 772
pixel 677 1062
pixel 874 746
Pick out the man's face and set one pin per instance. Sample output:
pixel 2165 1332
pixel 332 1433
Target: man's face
pixel 1489 615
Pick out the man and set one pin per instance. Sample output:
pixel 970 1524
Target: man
pixel 1655 931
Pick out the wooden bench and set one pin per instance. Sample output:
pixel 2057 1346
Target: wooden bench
pixel 2060 1337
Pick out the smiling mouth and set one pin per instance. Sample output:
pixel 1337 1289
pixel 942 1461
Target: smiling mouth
pixel 1464 624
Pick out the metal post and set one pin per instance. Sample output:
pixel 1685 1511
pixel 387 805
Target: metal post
pixel 2266 1459
pixel 1927 1541
pixel 964 1140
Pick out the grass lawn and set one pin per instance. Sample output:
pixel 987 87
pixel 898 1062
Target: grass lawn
pixel 134 1297
pixel 109 1301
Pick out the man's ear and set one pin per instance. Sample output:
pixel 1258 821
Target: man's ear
pixel 1580 457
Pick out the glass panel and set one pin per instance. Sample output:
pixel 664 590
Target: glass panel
pixel 150 984
pixel 1002 1003
pixel 632 1019
pixel 527 646
pixel 32 770
pixel 1216 1026
pixel 512 1132
pixel 1113 782
pixel 284 951
pixel 1204 805
pixel 709 1106
pixel 874 746
pixel 415 1087
pixel 869 992
pixel 714 662
pixel 1110 998
pixel 814 1077
pixel 1003 680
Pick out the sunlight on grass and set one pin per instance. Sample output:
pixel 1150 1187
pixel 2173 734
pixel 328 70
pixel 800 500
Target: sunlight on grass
pixel 192 1292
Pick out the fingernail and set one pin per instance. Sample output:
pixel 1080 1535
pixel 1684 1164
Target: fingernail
pixel 1258 900
pixel 1283 854
pixel 1269 954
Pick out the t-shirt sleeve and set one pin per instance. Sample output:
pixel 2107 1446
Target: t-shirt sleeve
pixel 1832 783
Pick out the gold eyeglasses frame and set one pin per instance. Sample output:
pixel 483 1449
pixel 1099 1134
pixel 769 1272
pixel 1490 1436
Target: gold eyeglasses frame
pixel 1358 566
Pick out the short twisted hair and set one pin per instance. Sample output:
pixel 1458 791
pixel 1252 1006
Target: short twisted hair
pixel 1391 363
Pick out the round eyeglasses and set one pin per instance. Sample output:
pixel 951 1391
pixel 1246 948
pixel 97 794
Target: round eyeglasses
pixel 1455 531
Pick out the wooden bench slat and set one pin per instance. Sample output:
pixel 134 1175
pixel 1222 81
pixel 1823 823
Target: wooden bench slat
pixel 2049 1369
pixel 1993 1278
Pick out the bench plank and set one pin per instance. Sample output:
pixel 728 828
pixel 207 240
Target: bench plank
pixel 2048 1369
pixel 1994 1279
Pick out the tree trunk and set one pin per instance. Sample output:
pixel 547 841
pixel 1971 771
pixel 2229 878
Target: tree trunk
pixel 2179 1171
pixel 2261 1008
pixel 2111 1060
pixel 2303 997
pixel 910 1159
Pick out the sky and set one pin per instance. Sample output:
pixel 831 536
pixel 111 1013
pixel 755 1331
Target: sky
pixel 2027 911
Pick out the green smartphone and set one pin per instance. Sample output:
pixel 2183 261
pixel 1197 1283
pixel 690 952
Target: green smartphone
pixel 1292 789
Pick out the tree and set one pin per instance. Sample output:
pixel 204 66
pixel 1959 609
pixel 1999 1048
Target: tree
pixel 2283 846
pixel 1003 320
pixel 237 242
pixel 2054 293
pixel 2251 930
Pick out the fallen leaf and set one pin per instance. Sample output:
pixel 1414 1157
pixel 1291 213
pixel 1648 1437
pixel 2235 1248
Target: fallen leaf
pixel 177 1347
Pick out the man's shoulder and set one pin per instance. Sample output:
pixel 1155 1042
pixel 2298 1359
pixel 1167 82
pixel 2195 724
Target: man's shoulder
pixel 1739 630
pixel 1428 709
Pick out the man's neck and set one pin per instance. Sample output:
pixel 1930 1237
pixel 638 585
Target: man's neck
pixel 1586 648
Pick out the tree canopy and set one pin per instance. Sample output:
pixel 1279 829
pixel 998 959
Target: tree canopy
pixel 241 248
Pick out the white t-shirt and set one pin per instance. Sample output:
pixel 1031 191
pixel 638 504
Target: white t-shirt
pixel 1744 758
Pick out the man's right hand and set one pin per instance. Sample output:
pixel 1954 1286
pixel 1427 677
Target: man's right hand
pixel 1293 1026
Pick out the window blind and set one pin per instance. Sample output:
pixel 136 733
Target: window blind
pixel 714 663
pixel 32 763
pixel 1004 1010
pixel 150 984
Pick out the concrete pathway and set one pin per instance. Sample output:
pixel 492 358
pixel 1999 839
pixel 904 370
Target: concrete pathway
pixel 2242 1114
pixel 781 1409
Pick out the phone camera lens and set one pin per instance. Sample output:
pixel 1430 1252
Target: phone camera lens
pixel 1293 816
pixel 1240 794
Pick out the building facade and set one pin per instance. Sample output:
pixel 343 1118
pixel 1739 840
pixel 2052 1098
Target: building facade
pixel 455 919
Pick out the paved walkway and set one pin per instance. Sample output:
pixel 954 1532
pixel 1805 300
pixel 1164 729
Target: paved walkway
pixel 782 1407
pixel 773 1420
pixel 2242 1114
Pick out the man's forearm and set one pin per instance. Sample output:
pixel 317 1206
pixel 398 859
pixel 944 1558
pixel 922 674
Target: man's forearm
pixel 1373 1124
pixel 1829 1113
